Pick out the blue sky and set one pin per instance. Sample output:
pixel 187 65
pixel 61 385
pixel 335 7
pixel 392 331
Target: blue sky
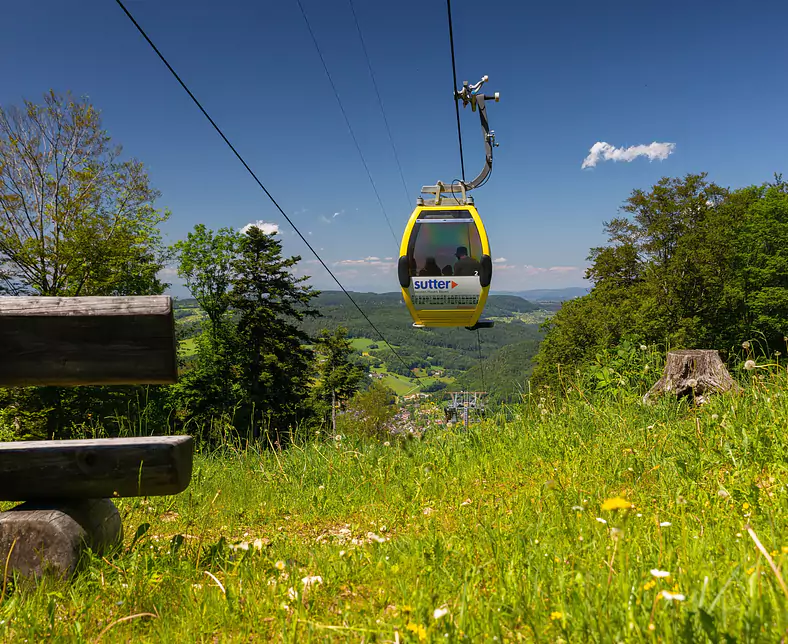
pixel 707 77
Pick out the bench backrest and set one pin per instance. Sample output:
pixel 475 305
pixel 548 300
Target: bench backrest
pixel 87 341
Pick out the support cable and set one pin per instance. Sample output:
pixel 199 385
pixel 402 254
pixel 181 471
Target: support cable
pixel 347 122
pixel 254 176
pixel 454 89
pixel 380 102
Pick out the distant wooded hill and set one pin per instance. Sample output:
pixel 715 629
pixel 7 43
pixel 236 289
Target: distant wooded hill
pixel 550 294
pixel 453 351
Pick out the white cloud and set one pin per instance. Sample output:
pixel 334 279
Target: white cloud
pixel 539 270
pixel 499 260
pixel 605 152
pixel 168 273
pixel 328 220
pixel 369 262
pixel 269 228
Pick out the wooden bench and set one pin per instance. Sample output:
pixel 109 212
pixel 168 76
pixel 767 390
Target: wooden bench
pixel 66 486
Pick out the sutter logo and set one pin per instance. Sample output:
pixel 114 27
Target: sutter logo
pixel 433 284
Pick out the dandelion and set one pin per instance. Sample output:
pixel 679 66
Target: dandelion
pixel 649 584
pixel 418 630
pixel 556 614
pixel 745 345
pixel 386 444
pixel 643 347
pixel 723 494
pixel 616 503
pixel 577 508
pixel 672 596
pixel 337 437
pixel 279 565
pixel 665 524
pixel 749 365
pixel 662 574
pixel 440 612
pixel 777 354
pixel 601 520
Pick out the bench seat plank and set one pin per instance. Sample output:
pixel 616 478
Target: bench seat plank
pixel 87 341
pixel 95 468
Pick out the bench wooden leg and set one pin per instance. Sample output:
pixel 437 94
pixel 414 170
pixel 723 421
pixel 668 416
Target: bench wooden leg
pixel 54 535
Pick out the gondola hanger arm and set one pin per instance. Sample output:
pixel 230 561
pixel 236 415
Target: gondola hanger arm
pixel 473 96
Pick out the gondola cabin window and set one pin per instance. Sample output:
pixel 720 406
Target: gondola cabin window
pixel 445 243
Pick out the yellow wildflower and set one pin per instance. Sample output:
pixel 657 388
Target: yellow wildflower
pixel 419 630
pixel 616 503
pixel 649 585
pixel 556 615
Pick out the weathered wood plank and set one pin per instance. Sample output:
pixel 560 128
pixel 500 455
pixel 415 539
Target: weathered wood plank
pixel 87 341
pixel 36 538
pixel 95 468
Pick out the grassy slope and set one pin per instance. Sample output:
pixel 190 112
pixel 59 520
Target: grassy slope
pixel 501 526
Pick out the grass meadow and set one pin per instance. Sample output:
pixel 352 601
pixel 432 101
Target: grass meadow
pixel 578 520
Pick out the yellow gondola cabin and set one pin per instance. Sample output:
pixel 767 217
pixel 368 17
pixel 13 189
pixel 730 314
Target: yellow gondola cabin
pixel 445 267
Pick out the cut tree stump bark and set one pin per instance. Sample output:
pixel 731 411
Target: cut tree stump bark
pixel 37 537
pixel 697 373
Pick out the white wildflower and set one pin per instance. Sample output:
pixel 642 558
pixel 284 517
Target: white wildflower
pixel 655 572
pixel 745 345
pixel 440 612
pixel 601 520
pixel 672 596
pixel 643 347
pixel 665 524
pixel 292 594
pixel 749 365
pixel 312 580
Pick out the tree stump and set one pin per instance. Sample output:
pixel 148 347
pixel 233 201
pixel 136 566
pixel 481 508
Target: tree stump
pixel 693 372
pixel 36 537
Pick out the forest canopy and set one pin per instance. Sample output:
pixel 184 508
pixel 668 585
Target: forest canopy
pixel 689 264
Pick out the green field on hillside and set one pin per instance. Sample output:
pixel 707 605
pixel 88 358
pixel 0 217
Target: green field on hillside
pixel 592 519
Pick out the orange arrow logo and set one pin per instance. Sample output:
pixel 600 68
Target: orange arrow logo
pixel 453 284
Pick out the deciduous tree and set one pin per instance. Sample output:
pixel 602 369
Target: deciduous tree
pixel 75 219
